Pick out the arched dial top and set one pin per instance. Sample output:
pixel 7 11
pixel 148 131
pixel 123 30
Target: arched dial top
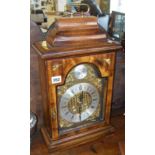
pixel 79 102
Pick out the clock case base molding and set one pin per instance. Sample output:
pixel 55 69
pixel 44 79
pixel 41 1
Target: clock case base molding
pixel 70 142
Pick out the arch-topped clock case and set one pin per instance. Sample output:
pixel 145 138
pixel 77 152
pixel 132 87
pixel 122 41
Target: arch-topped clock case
pixel 76 62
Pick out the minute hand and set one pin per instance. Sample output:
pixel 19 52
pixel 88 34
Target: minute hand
pixel 81 102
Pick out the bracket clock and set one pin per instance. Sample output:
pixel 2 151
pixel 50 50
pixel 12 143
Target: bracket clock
pixel 76 62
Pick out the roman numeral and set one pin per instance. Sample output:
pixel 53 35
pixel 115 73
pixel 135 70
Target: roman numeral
pixel 92 93
pixel 94 99
pixel 65 106
pixel 66 112
pixel 73 91
pixel 92 107
pixel 72 117
pixel 80 87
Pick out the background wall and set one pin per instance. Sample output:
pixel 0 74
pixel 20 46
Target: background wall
pixel 117 5
pixel 60 5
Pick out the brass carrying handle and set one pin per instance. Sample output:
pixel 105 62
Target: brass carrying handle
pixel 78 4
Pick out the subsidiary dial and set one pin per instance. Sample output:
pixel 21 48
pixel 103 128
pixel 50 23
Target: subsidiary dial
pixel 80 72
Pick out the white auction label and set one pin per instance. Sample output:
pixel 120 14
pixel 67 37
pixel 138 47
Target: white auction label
pixel 56 79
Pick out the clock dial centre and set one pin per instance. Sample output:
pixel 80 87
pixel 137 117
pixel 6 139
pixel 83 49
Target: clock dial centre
pixel 79 103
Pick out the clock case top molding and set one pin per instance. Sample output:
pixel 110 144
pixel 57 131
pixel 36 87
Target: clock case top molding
pixel 71 42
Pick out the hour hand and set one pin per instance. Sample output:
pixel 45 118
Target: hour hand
pixel 81 97
pixel 80 116
pixel 80 111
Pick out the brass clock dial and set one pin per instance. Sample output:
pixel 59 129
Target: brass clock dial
pixel 79 102
pixel 80 98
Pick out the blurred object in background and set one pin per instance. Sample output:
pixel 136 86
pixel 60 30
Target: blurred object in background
pixel 117 26
pixel 38 16
pixel 38 4
pixel 94 7
pixel 74 9
pixel 33 124
pixel 105 6
pixel 51 6
pixel 103 18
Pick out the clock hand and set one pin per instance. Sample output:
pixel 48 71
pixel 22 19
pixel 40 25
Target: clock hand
pixel 80 105
pixel 80 111
pixel 81 98
pixel 81 95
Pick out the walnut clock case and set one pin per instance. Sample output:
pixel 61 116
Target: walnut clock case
pixel 76 62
